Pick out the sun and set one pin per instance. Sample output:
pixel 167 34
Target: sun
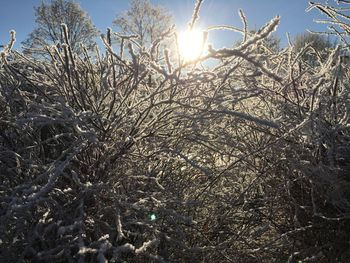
pixel 191 44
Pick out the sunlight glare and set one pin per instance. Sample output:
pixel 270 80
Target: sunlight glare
pixel 190 44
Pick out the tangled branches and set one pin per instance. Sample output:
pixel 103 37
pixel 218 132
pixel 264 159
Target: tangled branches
pixel 131 156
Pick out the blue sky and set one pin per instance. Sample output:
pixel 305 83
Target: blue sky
pixel 19 15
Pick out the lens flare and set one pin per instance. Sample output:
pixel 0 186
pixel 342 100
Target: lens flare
pixel 152 217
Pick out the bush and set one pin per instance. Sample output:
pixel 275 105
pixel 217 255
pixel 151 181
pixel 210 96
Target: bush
pixel 118 157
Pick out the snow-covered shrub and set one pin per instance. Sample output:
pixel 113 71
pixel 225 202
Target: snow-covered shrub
pixel 124 158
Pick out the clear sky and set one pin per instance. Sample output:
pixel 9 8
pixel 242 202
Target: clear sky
pixel 19 15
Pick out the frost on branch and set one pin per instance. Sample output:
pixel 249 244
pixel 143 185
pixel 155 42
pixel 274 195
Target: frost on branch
pixel 129 155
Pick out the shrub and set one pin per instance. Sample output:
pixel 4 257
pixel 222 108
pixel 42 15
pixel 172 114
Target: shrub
pixel 120 157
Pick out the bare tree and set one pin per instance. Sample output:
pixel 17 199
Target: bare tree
pixel 318 47
pixel 317 41
pixel 50 16
pixel 144 20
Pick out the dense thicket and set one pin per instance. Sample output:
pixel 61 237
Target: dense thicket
pixel 116 157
